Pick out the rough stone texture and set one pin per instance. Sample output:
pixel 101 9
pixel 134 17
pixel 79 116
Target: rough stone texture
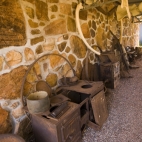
pixel 92 32
pixel 60 39
pixel 103 25
pixel 124 123
pixel 93 25
pixel 83 14
pixel 62 46
pixel 30 12
pixel 39 49
pixel 78 47
pixel 93 41
pixel 28 88
pixel 13 57
pixel 101 18
pixel 89 41
pixel 13 32
pixel 85 30
pixel 10 83
pixel 91 56
pixel 41 24
pixel 45 67
pixel 5 126
pixel 32 24
pixel 53 1
pixel 37 40
pixel 56 27
pixel 65 70
pixel 56 60
pixel 65 37
pixel 31 77
pixel 29 54
pixel 89 23
pixel 113 26
pixel 62 16
pixel 71 25
pixel 54 8
pixel 52 79
pixel 49 44
pixel 78 69
pixel 1 62
pixel 52 16
pixel 31 1
pixel 96 48
pixel 17 77
pixel 65 8
pixel 67 49
pixel 37 69
pixel 34 32
pixel 40 13
pixel 100 38
pixel 74 5
pixel 72 60
pixel 73 12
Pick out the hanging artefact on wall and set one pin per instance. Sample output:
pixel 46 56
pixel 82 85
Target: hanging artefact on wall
pixel 79 6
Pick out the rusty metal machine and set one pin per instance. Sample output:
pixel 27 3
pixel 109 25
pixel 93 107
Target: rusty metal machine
pixel 76 103
pixel 109 69
pixel 91 98
pixel 63 127
pixel 110 73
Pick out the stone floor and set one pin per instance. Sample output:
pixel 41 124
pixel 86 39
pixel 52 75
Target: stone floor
pixel 124 123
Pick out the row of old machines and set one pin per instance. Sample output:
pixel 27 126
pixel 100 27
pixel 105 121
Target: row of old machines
pixel 75 106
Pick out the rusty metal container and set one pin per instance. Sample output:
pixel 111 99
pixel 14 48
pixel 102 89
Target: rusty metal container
pixel 91 98
pixel 38 102
pixel 110 72
pixel 63 128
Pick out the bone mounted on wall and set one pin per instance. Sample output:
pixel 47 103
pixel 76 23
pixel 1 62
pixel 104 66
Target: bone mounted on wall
pixel 120 15
pixel 79 6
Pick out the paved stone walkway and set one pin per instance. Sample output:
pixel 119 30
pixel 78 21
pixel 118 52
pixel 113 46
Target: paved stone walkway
pixel 124 123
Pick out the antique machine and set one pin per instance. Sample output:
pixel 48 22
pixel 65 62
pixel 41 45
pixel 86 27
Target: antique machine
pixel 63 127
pixel 91 98
pixel 109 69
pixel 110 74
pixel 76 103
pixel 61 121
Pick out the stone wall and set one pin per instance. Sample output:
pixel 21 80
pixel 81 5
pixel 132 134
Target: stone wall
pixel 33 28
pixel 130 34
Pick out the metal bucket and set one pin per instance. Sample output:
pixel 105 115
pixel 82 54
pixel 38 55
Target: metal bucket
pixel 38 102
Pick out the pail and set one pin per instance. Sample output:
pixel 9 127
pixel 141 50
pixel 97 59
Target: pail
pixel 38 102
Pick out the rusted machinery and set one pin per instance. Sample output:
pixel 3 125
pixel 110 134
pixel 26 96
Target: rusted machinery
pixel 110 73
pixel 65 127
pixel 91 99
pixel 77 103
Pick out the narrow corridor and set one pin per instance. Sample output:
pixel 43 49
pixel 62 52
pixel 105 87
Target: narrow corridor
pixel 124 123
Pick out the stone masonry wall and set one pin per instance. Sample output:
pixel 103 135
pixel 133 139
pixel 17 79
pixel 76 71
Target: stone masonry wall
pixel 33 28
